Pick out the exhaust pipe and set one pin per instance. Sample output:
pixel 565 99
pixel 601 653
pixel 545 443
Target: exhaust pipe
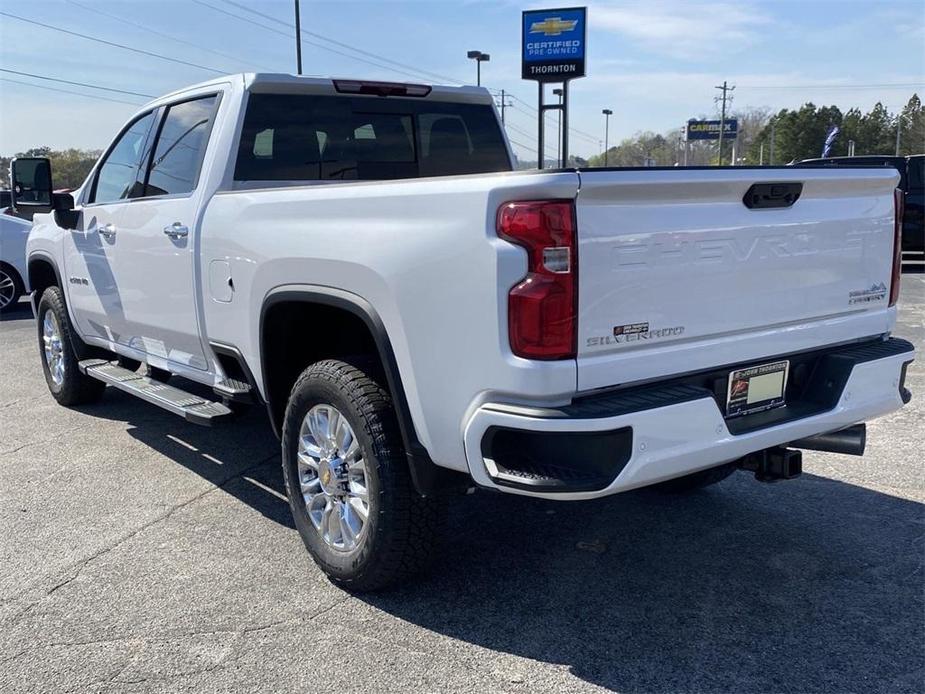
pixel 850 441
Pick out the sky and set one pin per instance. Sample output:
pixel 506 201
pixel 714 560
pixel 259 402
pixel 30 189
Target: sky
pixel 654 63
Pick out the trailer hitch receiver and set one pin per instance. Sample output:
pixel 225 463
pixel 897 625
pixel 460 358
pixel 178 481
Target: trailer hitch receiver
pixel 773 464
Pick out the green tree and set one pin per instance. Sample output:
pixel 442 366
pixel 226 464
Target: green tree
pixel 912 135
pixel 876 132
pixel 800 134
pixel 69 167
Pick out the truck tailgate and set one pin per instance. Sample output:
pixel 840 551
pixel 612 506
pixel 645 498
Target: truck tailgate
pixel 677 274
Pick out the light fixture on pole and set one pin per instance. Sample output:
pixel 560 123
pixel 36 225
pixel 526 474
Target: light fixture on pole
pixel 607 114
pixel 479 58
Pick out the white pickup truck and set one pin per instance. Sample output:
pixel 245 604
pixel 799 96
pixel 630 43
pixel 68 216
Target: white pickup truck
pixel 416 317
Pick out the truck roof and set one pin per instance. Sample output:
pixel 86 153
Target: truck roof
pixel 284 82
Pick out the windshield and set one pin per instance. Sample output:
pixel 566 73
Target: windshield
pixel 289 137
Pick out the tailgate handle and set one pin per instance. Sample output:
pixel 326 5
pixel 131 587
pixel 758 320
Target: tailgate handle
pixel 768 195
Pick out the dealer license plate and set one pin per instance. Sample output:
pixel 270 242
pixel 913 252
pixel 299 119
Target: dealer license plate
pixel 757 388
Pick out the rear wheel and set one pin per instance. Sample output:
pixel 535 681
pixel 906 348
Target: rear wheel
pixel 697 480
pixel 11 287
pixel 348 481
pixel 59 361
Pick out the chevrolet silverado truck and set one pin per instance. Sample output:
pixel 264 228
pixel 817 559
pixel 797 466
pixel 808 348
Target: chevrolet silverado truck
pixel 417 318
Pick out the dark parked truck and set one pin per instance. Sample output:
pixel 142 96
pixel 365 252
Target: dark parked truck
pixel 360 258
pixel 911 183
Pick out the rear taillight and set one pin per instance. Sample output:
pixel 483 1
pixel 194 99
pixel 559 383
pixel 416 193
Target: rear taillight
pixel 898 204
pixel 542 307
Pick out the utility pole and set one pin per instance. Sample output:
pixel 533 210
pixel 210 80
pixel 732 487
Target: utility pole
pixel 607 114
pixel 722 119
pixel 504 104
pixel 298 39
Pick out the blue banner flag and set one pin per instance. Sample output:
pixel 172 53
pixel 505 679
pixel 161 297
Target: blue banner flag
pixel 830 140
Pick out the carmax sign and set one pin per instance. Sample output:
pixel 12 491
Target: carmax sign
pixel 709 129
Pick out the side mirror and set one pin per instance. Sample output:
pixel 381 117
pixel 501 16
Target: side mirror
pixel 31 179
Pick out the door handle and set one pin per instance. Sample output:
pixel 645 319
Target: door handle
pixel 109 231
pixel 176 230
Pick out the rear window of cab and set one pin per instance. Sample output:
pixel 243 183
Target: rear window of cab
pixel 295 137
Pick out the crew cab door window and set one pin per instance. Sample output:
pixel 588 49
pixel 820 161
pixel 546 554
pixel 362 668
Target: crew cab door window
pixel 121 175
pixel 181 145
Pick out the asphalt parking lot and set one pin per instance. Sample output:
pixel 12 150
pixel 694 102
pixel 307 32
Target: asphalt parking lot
pixel 139 553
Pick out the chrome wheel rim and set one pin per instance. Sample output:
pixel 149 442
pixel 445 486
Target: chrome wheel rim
pixel 54 348
pixel 333 478
pixel 7 289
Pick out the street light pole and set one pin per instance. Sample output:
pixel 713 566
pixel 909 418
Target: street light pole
pixel 298 39
pixel 607 114
pixel 478 57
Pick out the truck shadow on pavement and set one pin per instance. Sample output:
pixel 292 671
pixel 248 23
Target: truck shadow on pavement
pixel 811 585
pixel 241 457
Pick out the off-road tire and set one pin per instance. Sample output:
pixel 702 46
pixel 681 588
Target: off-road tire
pixel 403 526
pixel 76 388
pixel 697 480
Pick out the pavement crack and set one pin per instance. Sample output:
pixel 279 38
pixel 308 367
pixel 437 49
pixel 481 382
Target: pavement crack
pixel 16 449
pixel 81 564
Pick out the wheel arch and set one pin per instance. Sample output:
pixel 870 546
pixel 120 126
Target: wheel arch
pixel 427 476
pixel 42 271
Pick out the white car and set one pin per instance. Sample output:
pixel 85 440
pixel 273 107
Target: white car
pixel 14 280
pixel 416 317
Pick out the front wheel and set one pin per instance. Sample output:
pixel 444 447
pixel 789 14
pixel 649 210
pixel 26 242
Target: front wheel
pixel 348 482
pixel 59 361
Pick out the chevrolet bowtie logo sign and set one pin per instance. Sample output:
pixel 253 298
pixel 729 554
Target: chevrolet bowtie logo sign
pixel 553 44
pixel 553 26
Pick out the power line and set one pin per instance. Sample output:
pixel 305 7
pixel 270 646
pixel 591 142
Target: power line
pixel 290 35
pixel 69 91
pixel 162 34
pixel 518 130
pixel 112 43
pixel 575 131
pixel 519 144
pixel 78 84
pixel 442 78
pixel 833 86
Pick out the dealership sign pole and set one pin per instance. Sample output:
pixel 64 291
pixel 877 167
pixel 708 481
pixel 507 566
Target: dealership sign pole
pixel 553 50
